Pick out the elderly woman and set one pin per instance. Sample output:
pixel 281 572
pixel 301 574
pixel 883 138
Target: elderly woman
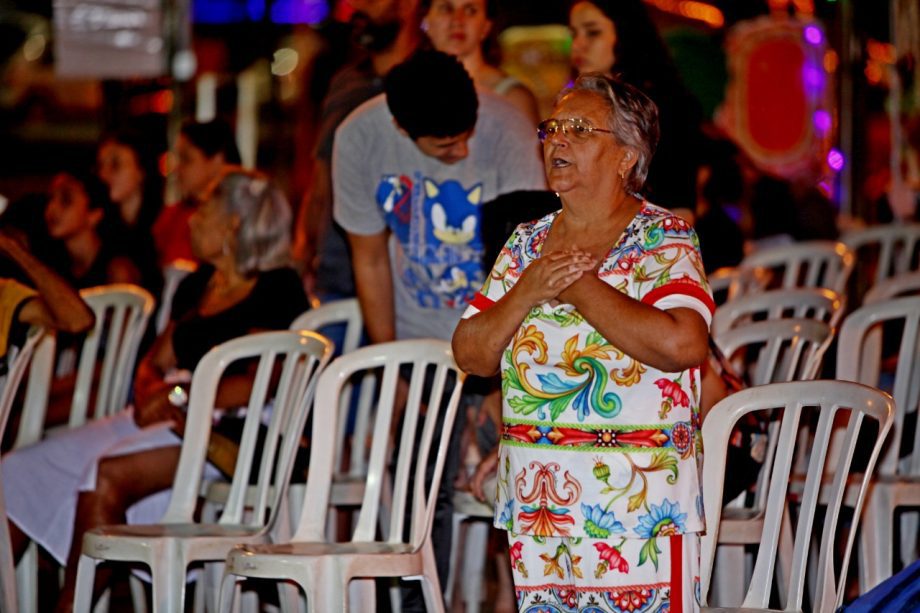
pixel 96 474
pixel 597 317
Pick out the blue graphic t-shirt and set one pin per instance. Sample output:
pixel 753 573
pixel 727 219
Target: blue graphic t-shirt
pixel 381 180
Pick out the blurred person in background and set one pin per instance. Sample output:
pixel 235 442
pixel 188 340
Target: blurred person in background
pixel 95 474
pixel 77 207
pixel 463 28
pixel 618 37
pixel 127 164
pixel 202 152
pixel 385 32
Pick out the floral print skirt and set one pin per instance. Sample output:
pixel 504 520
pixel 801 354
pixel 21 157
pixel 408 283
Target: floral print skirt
pixel 584 575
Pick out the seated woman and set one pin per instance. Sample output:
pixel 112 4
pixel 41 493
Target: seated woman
pixel 77 206
pixel 202 152
pixel 242 236
pixel 128 165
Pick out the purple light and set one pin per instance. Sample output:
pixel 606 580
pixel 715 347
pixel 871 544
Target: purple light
pixel 822 121
pixel 813 35
pixel 835 160
pixel 813 78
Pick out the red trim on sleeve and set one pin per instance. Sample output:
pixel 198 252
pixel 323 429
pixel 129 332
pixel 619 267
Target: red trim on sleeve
pixel 677 574
pixel 481 302
pixel 687 288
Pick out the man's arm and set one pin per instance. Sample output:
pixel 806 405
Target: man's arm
pixel 374 281
pixel 58 305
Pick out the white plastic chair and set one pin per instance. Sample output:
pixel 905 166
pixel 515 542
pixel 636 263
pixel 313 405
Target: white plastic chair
pixel 323 570
pixel 804 303
pixel 897 484
pixel 171 545
pixel 104 372
pixel 904 284
pixel 18 361
pixel 771 351
pixel 796 402
pixel 173 273
pixel 805 264
pixel 776 350
pixel 896 248
pixel 729 282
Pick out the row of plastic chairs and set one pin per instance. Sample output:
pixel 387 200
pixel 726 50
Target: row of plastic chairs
pixel 859 359
pixel 881 252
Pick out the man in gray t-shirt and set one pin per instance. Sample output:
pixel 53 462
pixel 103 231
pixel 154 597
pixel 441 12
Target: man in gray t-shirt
pixel 410 170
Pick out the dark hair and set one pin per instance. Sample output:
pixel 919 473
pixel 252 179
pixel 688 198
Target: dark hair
pixel 640 55
pixel 431 94
pixel 212 138
pixel 97 192
pixel 491 7
pixel 147 151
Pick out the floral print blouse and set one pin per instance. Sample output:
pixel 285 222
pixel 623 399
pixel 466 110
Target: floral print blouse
pixel 594 443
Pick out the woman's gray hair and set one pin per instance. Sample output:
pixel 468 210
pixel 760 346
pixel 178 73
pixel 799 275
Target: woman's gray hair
pixel 263 238
pixel 632 116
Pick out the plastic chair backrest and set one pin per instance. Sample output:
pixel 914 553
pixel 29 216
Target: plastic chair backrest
pixel 860 358
pixel 427 358
pixel 303 355
pixel 776 350
pixel 122 312
pixel 173 273
pixel 897 246
pixel 346 312
pixel 904 284
pixel 729 282
pixel 9 384
pixel 804 303
pixel 805 264
pixel 796 402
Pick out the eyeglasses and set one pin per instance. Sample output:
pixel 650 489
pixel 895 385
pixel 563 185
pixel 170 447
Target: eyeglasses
pixel 576 128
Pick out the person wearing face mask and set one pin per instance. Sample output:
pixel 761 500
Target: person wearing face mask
pixel 385 32
pixel 462 28
pixel 618 37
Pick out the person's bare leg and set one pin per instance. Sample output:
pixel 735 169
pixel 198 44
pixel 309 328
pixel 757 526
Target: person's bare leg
pixel 121 481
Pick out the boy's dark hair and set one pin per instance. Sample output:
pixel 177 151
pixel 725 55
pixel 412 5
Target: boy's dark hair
pixel 213 137
pixel 431 94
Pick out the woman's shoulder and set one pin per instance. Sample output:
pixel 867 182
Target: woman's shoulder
pixel 653 214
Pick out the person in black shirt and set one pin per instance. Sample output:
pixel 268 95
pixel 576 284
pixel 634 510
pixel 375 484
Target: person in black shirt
pixel 92 475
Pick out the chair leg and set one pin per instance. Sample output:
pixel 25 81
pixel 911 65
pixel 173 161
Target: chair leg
pixel 227 595
pixel 86 577
pixel 474 560
pixel 728 584
pixel 289 598
pixel 326 586
pixel 908 536
pixel 27 579
pixel 138 594
pixel 876 540
pixel 431 585
pixel 455 556
pixel 168 572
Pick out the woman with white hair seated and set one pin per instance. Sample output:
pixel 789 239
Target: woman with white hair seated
pixel 97 474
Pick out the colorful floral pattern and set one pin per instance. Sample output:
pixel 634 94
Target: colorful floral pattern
pixel 568 390
pixel 595 444
pixel 602 576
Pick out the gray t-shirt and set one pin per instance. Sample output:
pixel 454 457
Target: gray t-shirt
pixel 381 180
